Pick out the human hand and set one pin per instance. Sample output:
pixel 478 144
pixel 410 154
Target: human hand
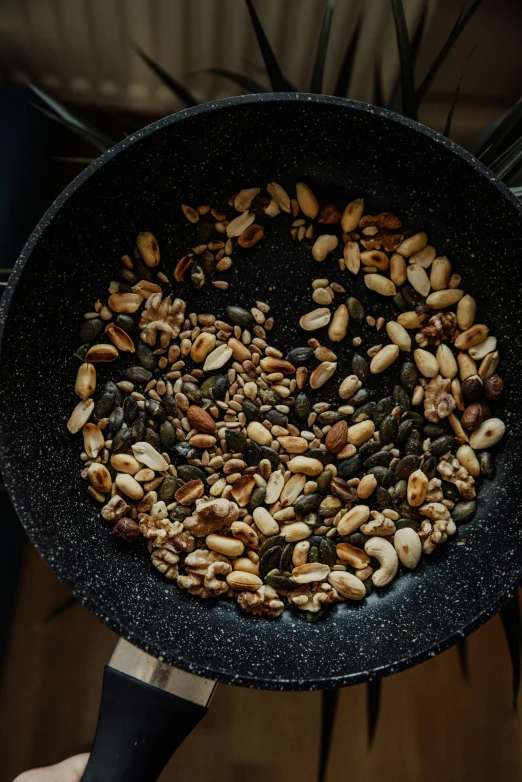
pixel 69 770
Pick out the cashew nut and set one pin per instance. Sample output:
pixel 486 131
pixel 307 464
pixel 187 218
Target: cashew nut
pixel 386 555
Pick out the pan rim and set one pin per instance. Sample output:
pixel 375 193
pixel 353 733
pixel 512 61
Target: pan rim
pixel 92 602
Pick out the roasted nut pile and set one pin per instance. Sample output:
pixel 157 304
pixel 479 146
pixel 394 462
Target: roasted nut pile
pixel 210 448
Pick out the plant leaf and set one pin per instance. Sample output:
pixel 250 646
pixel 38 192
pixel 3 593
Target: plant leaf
pixel 181 92
pixel 462 651
pixel 316 83
pixel 395 100
pixel 508 161
pixel 496 134
pixel 456 31
pixel 378 97
pixel 510 616
pixel 70 119
pixel 277 81
pixel 250 85
pixel 373 701
pixel 345 71
pixel 409 103
pixel 449 119
pixel 329 703
pixel 517 191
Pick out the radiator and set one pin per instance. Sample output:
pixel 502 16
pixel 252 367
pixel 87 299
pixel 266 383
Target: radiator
pixel 80 50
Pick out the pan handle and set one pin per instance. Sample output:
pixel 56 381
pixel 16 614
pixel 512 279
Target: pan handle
pixel 139 728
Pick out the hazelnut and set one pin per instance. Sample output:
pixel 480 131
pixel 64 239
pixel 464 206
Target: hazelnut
pixel 126 529
pixel 472 389
pixel 472 416
pixel 329 215
pixel 494 388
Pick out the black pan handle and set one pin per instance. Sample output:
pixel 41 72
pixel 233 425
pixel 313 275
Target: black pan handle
pixel 139 728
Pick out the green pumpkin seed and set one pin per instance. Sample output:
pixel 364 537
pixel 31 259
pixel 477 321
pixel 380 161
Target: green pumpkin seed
pixel 189 472
pixel 323 481
pixel 275 540
pixel 311 520
pixel 302 406
pixel 257 498
pixel 207 386
pixel 307 504
pixel 167 435
pixel 411 297
pixel 382 497
pixel 360 367
pixel 409 376
pixel 364 412
pixel 236 441
pixel 276 418
pixel 348 467
pixel 414 443
pixel 168 488
pixel 399 302
pixel 410 523
pixel 356 309
pixel 145 356
pixel 385 477
pixel 268 396
pixel 405 510
pixel 122 441
pixel 429 468
pixel 169 403
pixel 401 398
pixel 197 276
pixel 126 323
pixel 361 397
pixel 281 583
pixel 441 445
pixel 407 465
pixel 209 263
pixel 138 430
pixel 357 539
pixel 300 356
pixel 220 388
pixel 116 420
pixel 152 438
pixel 450 491
pixel 313 554
pixel 81 352
pixel 252 454
pixel 104 406
pixel 181 512
pixel 155 410
pixel 130 409
pixel 435 430
pixel 400 489
pixel 383 408
pixel 329 506
pixel 251 411
pixel 327 552
pixel 403 432
pixel 329 418
pixel 463 511
pixel 192 392
pixel 379 459
pixel 240 317
pixel 91 329
pixel 268 453
pixel 286 558
pixel 137 375
pixel 369 447
pixel 388 430
pixel 270 560
pixel 186 451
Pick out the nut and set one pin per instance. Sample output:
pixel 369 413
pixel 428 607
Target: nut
pixel 468 459
pixel 352 257
pixel 120 338
pixel 467 366
pixel 182 267
pixel 472 389
pixel 322 373
pixel 375 258
pixel 93 440
pixel 292 490
pixel 241 580
pixel 315 319
pixel 244 198
pixel 408 547
pixel 145 288
pixel 149 249
pixel 129 486
pixel 488 434
pixel 311 571
pixel 305 465
pixel 98 354
pixel 488 365
pixel 398 335
pixel 80 415
pixel 329 215
pixel 190 492
pixel 239 224
pixel 410 320
pixel 339 324
pixel 380 284
pixel 245 534
pixel 147 455
pixel 397 269
pixel 367 485
pixel 472 416
pixel 471 337
pixel 417 488
pixel 242 489
pixel 384 552
pixel 418 278
pixel 493 388
pixel 466 310
pixel 336 437
pixel 424 257
pixel 426 362
pixel 293 444
pixel 125 302
pixel 440 273
pixel 85 384
pixel 124 462
pixel 324 245
pixel 413 244
pixel 99 477
pixel 360 433
pixel 349 386
pixel 126 529
pixel 202 346
pixel 229 547
pixel 251 235
pixel 279 195
pixel 352 214
pixel 352 520
pixel 307 201
pixel 258 433
pixel 271 364
pixel 355 557
pixel 296 531
pixel 447 363
pixel 347 585
pixel 217 358
pixel 274 487
pixel 265 522
pixel 442 299
pixel 481 350
pixel 384 358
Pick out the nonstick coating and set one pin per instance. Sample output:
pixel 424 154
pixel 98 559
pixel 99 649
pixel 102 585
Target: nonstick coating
pixel 342 149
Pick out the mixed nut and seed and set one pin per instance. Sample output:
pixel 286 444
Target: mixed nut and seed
pixel 241 485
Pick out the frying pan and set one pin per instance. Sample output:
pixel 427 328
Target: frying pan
pixel 342 149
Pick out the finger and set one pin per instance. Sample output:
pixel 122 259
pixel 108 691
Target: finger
pixel 69 770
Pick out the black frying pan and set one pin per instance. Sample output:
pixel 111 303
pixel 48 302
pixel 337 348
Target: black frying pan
pixel 343 150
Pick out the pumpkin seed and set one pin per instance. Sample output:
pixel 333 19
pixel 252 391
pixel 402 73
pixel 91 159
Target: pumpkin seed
pixel 189 472
pixel 364 412
pixel 155 410
pixel 323 482
pixel 185 451
pixel 236 440
pixel 130 409
pixel 281 583
pixel 429 468
pixel 286 558
pixel 403 432
pixel 167 488
pixel 360 367
pixel 401 398
pixel 300 356
pixel 379 459
pixel 91 329
pixel 383 408
pixel 388 429
pixel 407 524
pixel 270 560
pixel 122 440
pixel 441 445
pixel 275 540
pixel 251 411
pixel 240 316
pixel 167 434
pixel 360 397
pixel 105 405
pixel 116 419
pixel 349 467
pixel 463 511
pixel 356 309
pixel 257 498
pixel 384 476
pixel 414 443
pixel 382 496
pixel 407 465
pixel 137 375
pixel 302 405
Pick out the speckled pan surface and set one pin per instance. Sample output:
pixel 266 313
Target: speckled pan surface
pixel 342 149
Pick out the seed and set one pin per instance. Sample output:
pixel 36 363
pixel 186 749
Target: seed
pixel 440 273
pixel 258 433
pixel 366 486
pixel 129 486
pixel 426 363
pixel 466 310
pixel 488 434
pixel 444 298
pixel 99 354
pixel 147 455
pixel 413 244
pixel 471 337
pixel 408 547
pixel 251 235
pixel 239 224
pixel 322 373
pixel 352 214
pixel 384 358
pixel 481 350
pixel 463 511
pixel 447 364
pixel 323 245
pixel 85 384
pixel 410 320
pixel 243 581
pixel 305 465
pixel 418 395
pixel 489 365
pixel 80 415
pixel 424 257
pixel 279 195
pixel 306 200
pixel 125 302
pixel 349 386
pixel 311 571
pixel 398 335
pixel 417 488
pixel 217 358
pixel 418 279
pixel 359 433
pixel 202 346
pixel 93 440
pixel 352 257
pixel 123 462
pixel 380 284
pixel 149 249
pixel 339 324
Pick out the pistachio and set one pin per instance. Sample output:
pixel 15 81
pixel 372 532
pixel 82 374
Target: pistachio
pixel 279 195
pixel 488 434
pixel 339 324
pixel 471 337
pixel 380 284
pixel 384 358
pixel 202 346
pixel 217 358
pixel 324 245
pixel 440 273
pixel 315 319
pixel 398 269
pixel 307 201
pixel 239 224
pixel 398 335
pixel 85 385
pixel 444 298
pixel 466 310
pixel 352 257
pixel 352 214
pixel 418 279
pixel 125 302
pixel 322 373
pixel 426 363
pixel 149 251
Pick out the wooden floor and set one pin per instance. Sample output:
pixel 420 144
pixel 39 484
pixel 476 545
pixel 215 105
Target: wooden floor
pixel 433 726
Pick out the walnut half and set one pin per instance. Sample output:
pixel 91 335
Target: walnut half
pixel 263 602
pixel 438 401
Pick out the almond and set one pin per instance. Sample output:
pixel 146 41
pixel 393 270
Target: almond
pixel 336 437
pixel 190 492
pixel 201 420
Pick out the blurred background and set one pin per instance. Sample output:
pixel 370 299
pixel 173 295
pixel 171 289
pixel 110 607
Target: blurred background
pixel 103 68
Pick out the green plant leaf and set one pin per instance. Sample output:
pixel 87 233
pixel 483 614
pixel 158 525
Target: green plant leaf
pixel 508 161
pixel 250 85
pixel 181 92
pixel 373 701
pixel 278 82
pixel 416 38
pixel 489 143
pixel 409 103
pixel 456 31
pixel 316 82
pixel 345 71
pixel 510 616
pixel 329 703
pixel 449 119
pixel 61 114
